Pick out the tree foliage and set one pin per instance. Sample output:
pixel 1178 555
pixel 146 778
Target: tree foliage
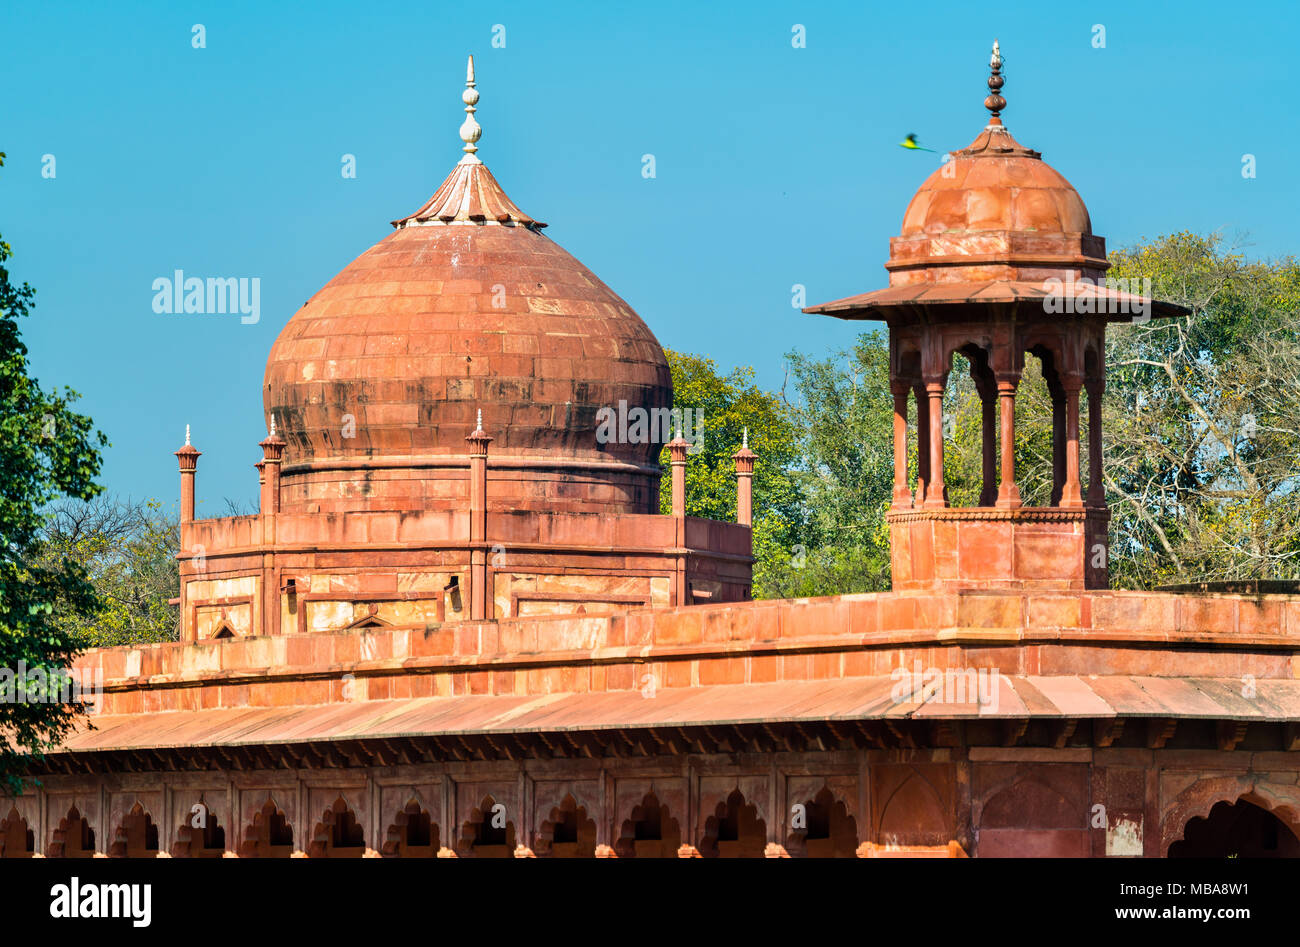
pixel 128 552
pixel 47 452
pixel 723 407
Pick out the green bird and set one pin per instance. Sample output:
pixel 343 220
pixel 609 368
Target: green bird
pixel 910 142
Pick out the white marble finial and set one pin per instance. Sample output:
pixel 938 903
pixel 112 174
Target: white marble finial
pixel 744 439
pixel 273 424
pixel 996 61
pixel 187 435
pixel 480 410
pixel 470 131
pixel 679 427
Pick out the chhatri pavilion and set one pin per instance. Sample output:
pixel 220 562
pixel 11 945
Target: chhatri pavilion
pixel 459 626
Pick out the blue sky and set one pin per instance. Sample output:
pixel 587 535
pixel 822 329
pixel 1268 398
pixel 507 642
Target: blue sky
pixel 775 165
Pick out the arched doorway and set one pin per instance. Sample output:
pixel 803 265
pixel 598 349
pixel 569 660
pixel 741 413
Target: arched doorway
pixel 1238 829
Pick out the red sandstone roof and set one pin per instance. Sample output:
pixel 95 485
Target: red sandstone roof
pixel 1064 696
pixel 1117 305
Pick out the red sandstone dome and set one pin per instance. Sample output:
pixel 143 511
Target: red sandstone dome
pixel 465 307
pixel 996 184
pixel 995 210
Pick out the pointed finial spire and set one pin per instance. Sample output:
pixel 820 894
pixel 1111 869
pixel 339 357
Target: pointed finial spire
pixel 995 103
pixel 744 438
pixel 187 435
pixel 273 424
pixel 480 419
pixel 470 131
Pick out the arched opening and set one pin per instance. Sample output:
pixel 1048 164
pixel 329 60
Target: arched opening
pixel 822 828
pixel 200 835
pixel 1236 830
pixel 73 838
pixel 487 833
pixel 1090 466
pixel 734 830
pixel 337 834
pixel 269 835
pixel 568 833
pixel 413 834
pixel 651 832
pixel 136 837
pixel 16 839
pixel 970 429
pixel 1040 454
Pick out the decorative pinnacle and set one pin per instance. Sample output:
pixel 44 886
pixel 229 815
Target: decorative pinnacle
pixel 187 435
pixel 470 131
pixel 995 103
pixel 744 438
pixel 273 424
pixel 479 423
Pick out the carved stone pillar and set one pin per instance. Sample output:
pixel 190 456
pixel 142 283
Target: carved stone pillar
pixel 1071 492
pixel 937 494
pixel 1008 491
pixel 902 493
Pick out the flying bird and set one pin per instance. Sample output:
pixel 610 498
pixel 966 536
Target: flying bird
pixel 910 143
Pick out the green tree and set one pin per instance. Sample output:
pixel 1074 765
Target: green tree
pixel 128 552
pixel 47 451
pixel 723 407
pixel 1202 418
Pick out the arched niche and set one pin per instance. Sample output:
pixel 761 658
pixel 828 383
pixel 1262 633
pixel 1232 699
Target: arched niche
pixel 827 830
pixel 73 837
pixel 269 835
pixel 413 833
pixel 136 836
pixel 16 839
pixel 735 830
pixel 567 832
pixel 337 834
pixel 487 833
pixel 200 834
pixel 650 831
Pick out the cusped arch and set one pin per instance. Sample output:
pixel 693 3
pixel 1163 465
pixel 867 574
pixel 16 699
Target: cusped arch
pixel 413 833
pixel 823 828
pixel 1196 803
pixel 650 831
pixel 136 836
pixel 16 839
pixel 567 832
pixel 735 830
pixel 73 837
pixel 200 834
pixel 338 834
pixel 269 835
pixel 488 832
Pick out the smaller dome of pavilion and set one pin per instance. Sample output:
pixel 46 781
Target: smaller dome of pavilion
pixel 995 210
pixel 996 184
